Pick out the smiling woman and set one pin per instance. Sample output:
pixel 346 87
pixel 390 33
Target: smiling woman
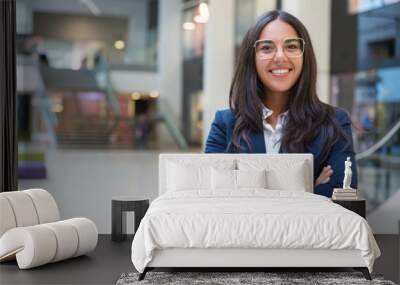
pixel 274 107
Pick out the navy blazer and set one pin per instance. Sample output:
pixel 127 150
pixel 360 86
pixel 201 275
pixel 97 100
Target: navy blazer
pixel 220 135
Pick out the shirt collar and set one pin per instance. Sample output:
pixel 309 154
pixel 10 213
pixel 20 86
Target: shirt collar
pixel 267 112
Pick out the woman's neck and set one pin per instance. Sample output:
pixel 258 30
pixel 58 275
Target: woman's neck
pixel 276 102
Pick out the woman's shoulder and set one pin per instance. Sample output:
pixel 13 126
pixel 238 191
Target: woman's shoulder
pixel 342 116
pixel 226 116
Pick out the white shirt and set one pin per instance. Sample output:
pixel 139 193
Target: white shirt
pixel 272 137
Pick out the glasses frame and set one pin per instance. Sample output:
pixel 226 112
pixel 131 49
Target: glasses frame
pixel 282 41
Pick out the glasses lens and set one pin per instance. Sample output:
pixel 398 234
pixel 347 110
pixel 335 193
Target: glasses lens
pixel 293 47
pixel 265 49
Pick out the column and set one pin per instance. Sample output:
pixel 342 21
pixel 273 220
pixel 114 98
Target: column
pixel 218 60
pixel 263 6
pixel 318 25
pixel 170 58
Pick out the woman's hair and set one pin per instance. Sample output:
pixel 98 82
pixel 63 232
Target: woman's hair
pixel 307 115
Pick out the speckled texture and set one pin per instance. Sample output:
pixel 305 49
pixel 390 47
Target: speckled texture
pixel 242 278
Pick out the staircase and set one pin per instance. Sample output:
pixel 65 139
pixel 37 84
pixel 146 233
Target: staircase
pixel 96 134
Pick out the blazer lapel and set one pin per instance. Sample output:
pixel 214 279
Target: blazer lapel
pixel 257 142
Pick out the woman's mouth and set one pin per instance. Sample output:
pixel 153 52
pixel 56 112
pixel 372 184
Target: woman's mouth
pixel 282 72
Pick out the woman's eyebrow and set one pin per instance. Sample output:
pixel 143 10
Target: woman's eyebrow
pixel 280 40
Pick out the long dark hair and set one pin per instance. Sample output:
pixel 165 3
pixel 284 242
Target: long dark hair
pixel 307 115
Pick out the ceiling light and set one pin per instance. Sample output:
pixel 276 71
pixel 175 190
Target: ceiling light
pixel 119 44
pixel 57 108
pixel 154 94
pixel 203 10
pixel 135 96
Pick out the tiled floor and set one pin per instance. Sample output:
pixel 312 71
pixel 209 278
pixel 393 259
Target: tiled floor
pixel 110 260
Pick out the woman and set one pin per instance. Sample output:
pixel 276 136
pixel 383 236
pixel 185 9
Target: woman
pixel 274 107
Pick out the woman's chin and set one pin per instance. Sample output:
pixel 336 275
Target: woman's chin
pixel 279 89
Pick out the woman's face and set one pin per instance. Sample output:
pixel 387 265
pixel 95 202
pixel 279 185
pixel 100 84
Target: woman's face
pixel 279 73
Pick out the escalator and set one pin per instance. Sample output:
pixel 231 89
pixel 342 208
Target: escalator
pixel 79 109
pixel 85 116
pixel 379 182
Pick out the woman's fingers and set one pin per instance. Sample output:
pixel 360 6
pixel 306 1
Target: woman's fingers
pixel 325 175
pixel 326 180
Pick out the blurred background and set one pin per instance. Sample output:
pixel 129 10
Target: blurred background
pixel 104 86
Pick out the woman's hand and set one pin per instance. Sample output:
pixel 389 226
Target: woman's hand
pixel 325 176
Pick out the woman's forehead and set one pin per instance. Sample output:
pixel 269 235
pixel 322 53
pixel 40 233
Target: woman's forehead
pixel 277 30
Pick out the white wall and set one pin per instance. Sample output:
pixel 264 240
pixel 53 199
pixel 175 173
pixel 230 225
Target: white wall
pixel 316 16
pixel 218 60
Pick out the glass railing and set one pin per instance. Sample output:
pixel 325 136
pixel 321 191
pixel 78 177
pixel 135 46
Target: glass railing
pixel 379 169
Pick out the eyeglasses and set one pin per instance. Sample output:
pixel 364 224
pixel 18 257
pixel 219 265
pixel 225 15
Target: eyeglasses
pixel 292 47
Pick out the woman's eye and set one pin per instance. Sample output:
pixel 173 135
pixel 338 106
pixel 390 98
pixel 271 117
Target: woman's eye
pixel 266 48
pixel 293 47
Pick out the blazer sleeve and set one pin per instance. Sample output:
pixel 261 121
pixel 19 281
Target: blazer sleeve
pixel 339 153
pixel 217 140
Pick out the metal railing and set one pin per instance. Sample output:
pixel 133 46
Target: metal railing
pixel 380 143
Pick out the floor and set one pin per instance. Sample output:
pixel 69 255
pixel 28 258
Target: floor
pixel 111 259
pixel 103 266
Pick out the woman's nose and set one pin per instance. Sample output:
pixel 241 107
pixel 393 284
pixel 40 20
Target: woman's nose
pixel 279 54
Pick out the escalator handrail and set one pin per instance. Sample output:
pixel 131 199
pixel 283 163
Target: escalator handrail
pixel 379 144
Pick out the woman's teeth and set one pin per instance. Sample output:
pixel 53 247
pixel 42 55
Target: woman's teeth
pixel 280 71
